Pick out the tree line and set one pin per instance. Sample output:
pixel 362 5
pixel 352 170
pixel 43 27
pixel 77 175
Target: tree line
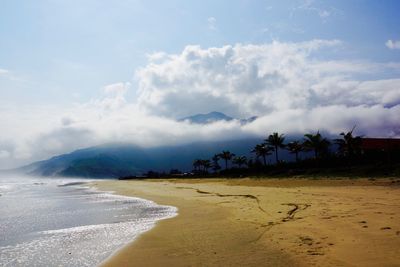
pixel 312 155
pixel 348 146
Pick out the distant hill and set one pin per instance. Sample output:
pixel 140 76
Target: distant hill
pixel 207 118
pixel 115 160
pixel 214 117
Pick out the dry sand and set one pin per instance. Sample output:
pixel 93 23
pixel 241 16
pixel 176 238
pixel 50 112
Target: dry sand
pixel 247 222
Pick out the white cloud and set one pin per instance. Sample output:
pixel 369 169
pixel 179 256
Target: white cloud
pixel 241 80
pixel 276 78
pixel 114 96
pixel 65 121
pixel 324 13
pixel 315 7
pixel 116 88
pixel 4 154
pixel 212 23
pixel 393 44
pixel 156 56
pixel 287 85
pixel 4 72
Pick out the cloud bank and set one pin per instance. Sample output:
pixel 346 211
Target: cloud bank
pixel 393 44
pixel 289 86
pixel 285 84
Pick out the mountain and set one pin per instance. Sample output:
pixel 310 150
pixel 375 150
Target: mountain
pixel 213 117
pixel 111 160
pixel 249 120
pixel 207 118
pixel 116 160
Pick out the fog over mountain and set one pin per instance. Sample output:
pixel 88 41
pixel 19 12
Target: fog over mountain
pixel 118 159
pixel 214 116
pixel 289 86
pixel 207 118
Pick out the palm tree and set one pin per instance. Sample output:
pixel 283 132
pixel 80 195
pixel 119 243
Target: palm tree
pixel 350 145
pixel 196 164
pixel 263 150
pixel 240 160
pixel 276 140
pixel 295 147
pixel 226 155
pixel 316 143
pixel 215 163
pixel 206 163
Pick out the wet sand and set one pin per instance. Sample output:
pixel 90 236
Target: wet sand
pixel 267 222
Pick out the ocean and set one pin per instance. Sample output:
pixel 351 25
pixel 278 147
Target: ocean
pixel 63 222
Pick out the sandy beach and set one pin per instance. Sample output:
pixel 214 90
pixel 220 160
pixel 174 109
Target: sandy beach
pixel 267 222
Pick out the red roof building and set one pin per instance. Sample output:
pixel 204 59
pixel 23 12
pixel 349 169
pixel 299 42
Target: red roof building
pixel 380 144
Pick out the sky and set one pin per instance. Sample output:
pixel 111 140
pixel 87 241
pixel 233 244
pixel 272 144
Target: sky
pixel 75 74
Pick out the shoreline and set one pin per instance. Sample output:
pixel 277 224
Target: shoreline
pixel 265 222
pixel 65 222
pixel 91 187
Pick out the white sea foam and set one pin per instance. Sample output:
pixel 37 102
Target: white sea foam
pixel 76 227
pixel 77 246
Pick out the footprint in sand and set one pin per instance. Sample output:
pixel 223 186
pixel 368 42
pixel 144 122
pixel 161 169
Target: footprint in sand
pixel 363 222
pixel 306 240
pixel 315 253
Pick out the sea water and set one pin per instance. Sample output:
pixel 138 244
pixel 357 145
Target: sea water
pixel 60 222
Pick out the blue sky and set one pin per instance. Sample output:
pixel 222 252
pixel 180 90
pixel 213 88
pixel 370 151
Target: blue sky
pixel 66 67
pixel 64 50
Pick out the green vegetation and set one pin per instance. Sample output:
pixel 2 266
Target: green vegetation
pixel 295 147
pixel 101 166
pixel 226 156
pixel 316 143
pixel 262 150
pixel 276 140
pixel 314 156
pixel 240 161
